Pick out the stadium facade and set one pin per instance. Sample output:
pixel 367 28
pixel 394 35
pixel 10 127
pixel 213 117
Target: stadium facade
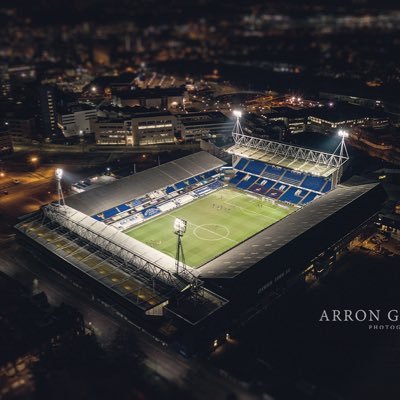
pixel 87 234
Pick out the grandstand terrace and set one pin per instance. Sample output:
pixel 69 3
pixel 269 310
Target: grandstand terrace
pixel 281 172
pixel 287 156
pixel 136 186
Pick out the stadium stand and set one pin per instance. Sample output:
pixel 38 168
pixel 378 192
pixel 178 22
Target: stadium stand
pixel 136 186
pixel 261 186
pixel 293 195
pixel 241 164
pixel 125 216
pixel 273 172
pixel 278 182
pixel 255 167
pixel 246 182
pixel 180 185
pixel 314 183
pixel 310 197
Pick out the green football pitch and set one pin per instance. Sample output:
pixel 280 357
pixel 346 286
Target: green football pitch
pixel 215 223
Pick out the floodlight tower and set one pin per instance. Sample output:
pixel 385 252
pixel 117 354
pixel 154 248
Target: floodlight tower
pixel 179 230
pixel 60 195
pixel 237 127
pixel 343 149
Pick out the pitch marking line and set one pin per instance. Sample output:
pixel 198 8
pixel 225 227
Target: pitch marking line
pixel 209 230
pixel 203 227
pixel 250 211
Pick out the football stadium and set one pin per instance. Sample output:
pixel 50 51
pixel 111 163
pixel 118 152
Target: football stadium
pixel 197 235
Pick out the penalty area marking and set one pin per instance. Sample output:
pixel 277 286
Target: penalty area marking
pixel 205 227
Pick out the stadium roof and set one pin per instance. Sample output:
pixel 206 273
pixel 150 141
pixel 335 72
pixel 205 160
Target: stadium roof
pixel 276 237
pixel 286 155
pixel 126 189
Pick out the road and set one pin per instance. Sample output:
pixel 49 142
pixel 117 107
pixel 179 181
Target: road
pixel 201 379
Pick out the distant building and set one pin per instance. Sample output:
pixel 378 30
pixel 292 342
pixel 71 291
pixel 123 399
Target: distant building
pixel 295 120
pixel 202 125
pixel 113 131
pixel 161 98
pixel 21 128
pixel 5 85
pixel 80 122
pixel 48 110
pixel 139 129
pixel 327 119
pixel 6 145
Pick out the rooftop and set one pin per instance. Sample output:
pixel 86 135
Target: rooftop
pixel 151 93
pixel 133 186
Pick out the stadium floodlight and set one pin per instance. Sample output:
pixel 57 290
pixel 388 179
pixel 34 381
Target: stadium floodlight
pixel 179 230
pixel 237 113
pixel 180 226
pixel 60 194
pixel 59 173
pixel 343 134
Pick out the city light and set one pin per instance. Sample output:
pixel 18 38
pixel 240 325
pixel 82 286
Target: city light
pixel 180 226
pixel 59 173
pixel 237 113
pixel 34 159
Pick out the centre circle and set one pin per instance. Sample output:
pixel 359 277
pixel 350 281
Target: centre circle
pixel 202 230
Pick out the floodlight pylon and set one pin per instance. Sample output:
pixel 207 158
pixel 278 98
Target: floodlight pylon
pixel 237 128
pixel 60 194
pixel 179 230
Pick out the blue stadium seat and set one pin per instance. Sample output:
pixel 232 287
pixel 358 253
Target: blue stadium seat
pixel 292 177
pixel 274 193
pixel 180 185
pixel 244 184
pixel 241 164
pixel 150 211
pixel 215 185
pixel 110 213
pixel 255 167
pixel 200 177
pixel 327 187
pixel 274 172
pixel 169 189
pixel 261 186
pixel 291 197
pixel 208 174
pixel 310 197
pixel 191 181
pixel 313 182
pixel 123 207
pixel 238 177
